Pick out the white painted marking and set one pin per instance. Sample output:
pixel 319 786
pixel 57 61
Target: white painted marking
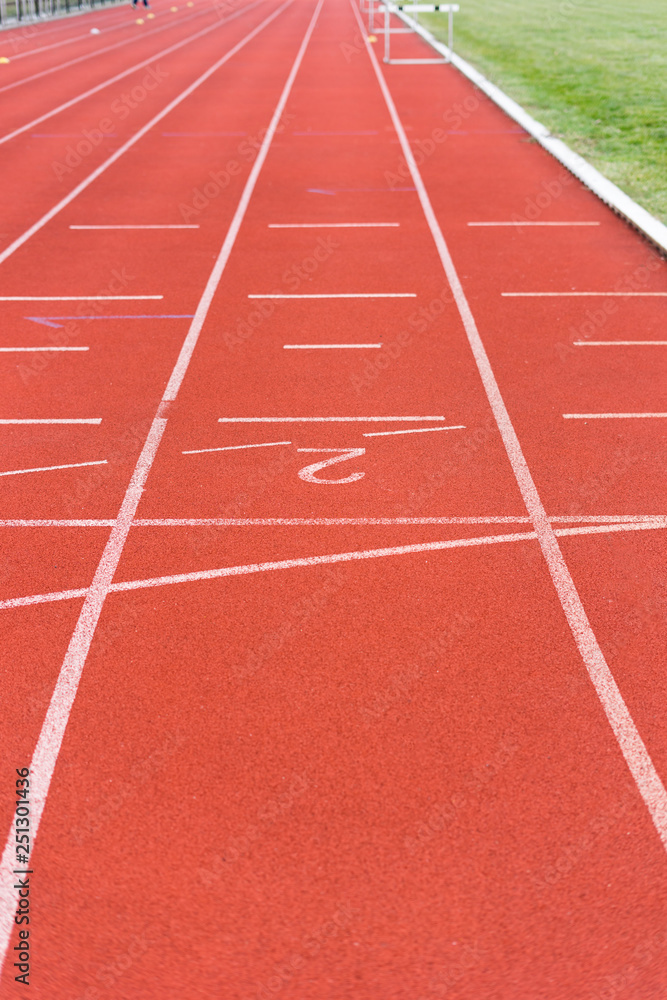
pixel 53 730
pixel 344 295
pixel 534 295
pixel 333 225
pixel 636 755
pixel 179 522
pixel 317 420
pixel 55 420
pixel 236 447
pixel 325 347
pixel 73 298
pixel 611 416
pixel 14 350
pixel 522 224
pixel 455 543
pixel 50 468
pixel 139 134
pixel 414 430
pixel 344 455
pixel 26 523
pixel 619 343
pixel 136 227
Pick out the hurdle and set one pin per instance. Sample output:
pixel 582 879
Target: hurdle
pixel 415 8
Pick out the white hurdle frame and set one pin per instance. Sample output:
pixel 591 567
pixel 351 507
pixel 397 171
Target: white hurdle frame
pixel 415 8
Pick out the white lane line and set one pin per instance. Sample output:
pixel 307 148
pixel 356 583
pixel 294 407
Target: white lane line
pixel 630 742
pixel 414 430
pixel 535 295
pixel 27 523
pixel 140 133
pixel 611 416
pixel 138 227
pixel 325 347
pixel 522 224
pixel 126 72
pixel 363 554
pixel 236 447
pixel 318 420
pixel 53 420
pixel 54 725
pixel 333 225
pixel 619 343
pixel 50 468
pixel 14 350
pixel 73 298
pixel 343 295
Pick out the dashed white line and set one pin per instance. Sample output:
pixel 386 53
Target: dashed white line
pixel 52 420
pixel 236 447
pixel 50 468
pixel 333 225
pixel 74 298
pixel 318 420
pixel 414 430
pixel 325 347
pixel 138 227
pixel 537 295
pixel 14 350
pixel 522 224
pixel 619 343
pixel 611 416
pixel 342 295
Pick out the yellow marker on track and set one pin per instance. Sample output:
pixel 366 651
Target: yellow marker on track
pixel 173 9
pixel 150 16
pixel 4 59
pixel 372 38
pixel 139 20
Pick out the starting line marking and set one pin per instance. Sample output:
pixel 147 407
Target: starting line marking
pixel 54 420
pixel 322 347
pixel 516 295
pixel 236 447
pixel 414 430
pixel 619 343
pixel 333 225
pixel 609 416
pixel 316 420
pixel 50 468
pixel 521 224
pixel 73 298
pixel 47 320
pixel 345 295
pixel 13 350
pixel 212 574
pixel 137 227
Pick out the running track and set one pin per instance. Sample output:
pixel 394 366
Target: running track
pixel 388 727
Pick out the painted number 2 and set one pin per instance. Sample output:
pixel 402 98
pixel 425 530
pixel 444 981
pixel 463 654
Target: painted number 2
pixel 342 455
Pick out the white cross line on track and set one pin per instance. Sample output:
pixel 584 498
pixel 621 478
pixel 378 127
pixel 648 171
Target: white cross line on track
pixel 546 295
pixel 119 76
pixel 333 225
pixel 621 722
pixel 50 468
pixel 55 723
pixel 337 557
pixel 620 343
pixel 14 350
pixel 51 420
pixel 414 430
pixel 236 447
pixel 234 522
pixel 325 347
pixel 192 226
pixel 522 224
pixel 611 416
pixel 73 298
pixel 342 295
pixel 140 133
pixel 318 420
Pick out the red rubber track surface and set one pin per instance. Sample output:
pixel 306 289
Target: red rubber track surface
pixel 388 779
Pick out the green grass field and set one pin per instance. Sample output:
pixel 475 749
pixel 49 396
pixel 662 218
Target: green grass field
pixel 593 71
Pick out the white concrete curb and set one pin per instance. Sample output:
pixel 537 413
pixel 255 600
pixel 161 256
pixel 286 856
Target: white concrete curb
pixel 581 168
